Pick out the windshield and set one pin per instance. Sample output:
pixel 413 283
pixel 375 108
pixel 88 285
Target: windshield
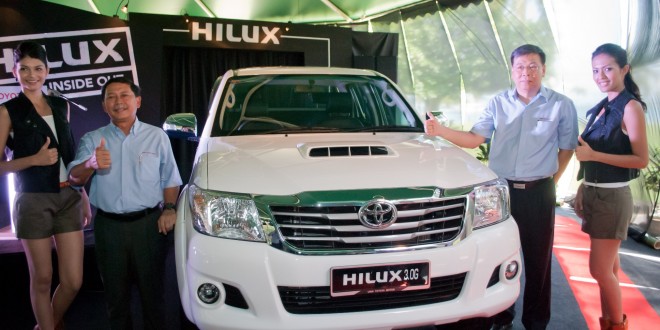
pixel 269 104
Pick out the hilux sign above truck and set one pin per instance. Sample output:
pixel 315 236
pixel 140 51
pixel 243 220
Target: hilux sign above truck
pixel 253 34
pixel 257 36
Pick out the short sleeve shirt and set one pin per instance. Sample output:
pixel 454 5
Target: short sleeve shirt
pixel 525 138
pixel 142 166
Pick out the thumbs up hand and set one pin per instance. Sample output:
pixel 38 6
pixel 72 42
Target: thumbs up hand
pixel 583 152
pixel 46 156
pixel 432 126
pixel 101 158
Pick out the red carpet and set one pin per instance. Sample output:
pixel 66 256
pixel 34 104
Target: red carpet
pixel 571 247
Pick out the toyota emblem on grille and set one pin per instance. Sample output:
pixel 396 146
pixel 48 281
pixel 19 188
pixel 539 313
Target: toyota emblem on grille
pixel 377 214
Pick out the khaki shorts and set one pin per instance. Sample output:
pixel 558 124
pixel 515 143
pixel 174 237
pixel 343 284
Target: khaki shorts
pixel 42 215
pixel 607 212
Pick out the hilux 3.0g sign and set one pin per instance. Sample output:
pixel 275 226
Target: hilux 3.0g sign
pixel 80 62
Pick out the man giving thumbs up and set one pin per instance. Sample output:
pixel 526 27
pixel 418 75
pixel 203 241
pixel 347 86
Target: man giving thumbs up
pixel 134 187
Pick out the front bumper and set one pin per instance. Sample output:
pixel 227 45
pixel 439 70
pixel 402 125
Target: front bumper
pixel 257 270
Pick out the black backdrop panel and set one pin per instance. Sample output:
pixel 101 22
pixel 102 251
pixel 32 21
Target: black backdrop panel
pixel 387 65
pixel 364 62
pixel 376 51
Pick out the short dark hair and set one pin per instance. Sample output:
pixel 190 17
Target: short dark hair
pixel 30 49
pixel 122 80
pixel 528 49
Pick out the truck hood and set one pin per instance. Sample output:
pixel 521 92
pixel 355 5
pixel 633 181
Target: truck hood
pixel 290 164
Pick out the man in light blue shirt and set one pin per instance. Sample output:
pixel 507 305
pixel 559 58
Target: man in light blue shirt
pixel 135 185
pixel 526 137
pixel 533 133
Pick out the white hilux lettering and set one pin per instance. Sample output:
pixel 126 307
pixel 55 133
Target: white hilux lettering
pixel 84 57
pixel 371 278
pixel 226 32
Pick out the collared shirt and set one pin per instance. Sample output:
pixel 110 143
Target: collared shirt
pixel 142 166
pixel 527 137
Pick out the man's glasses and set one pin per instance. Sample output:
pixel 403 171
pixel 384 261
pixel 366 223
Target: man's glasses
pixel 532 68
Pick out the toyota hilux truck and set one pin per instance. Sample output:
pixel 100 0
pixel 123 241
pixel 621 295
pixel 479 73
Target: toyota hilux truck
pixel 316 201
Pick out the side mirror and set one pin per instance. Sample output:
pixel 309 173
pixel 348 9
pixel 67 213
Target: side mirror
pixel 181 124
pixel 181 128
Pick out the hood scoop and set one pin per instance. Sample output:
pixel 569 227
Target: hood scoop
pixel 347 151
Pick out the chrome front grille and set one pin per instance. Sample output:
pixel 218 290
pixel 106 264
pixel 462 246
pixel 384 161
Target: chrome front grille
pixel 337 227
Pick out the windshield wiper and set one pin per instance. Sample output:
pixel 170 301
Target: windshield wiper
pixel 301 130
pixel 318 129
pixel 391 128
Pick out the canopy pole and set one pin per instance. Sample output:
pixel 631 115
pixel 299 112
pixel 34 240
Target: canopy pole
pixel 458 64
pixel 498 39
pixel 405 46
pixel 552 21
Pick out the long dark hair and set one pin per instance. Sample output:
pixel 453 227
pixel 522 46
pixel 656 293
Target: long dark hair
pixel 621 57
pixel 30 49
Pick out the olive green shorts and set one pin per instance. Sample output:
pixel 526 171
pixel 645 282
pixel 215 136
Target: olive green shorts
pixel 607 212
pixel 42 215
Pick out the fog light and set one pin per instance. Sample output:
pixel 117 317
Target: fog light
pixel 511 270
pixel 208 293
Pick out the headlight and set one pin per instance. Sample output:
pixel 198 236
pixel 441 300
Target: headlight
pixel 224 215
pixel 491 204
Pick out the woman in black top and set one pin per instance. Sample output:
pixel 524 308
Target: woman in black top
pixel 35 128
pixel 613 147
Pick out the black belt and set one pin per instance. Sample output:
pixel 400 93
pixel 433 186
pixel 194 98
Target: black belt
pixel 527 184
pixel 130 216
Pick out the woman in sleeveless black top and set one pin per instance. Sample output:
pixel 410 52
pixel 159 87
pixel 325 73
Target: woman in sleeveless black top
pixel 35 129
pixel 613 148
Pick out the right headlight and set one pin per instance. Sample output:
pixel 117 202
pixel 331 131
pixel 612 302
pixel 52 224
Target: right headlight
pixel 491 204
pixel 225 215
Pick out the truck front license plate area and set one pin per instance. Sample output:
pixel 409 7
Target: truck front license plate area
pixel 346 281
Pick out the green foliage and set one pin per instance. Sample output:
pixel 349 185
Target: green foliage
pixel 484 151
pixel 652 171
pixel 652 177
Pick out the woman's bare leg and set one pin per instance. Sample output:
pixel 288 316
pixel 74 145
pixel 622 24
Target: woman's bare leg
pixel 39 259
pixel 70 250
pixel 604 268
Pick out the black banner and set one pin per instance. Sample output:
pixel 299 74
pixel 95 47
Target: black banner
pixel 80 62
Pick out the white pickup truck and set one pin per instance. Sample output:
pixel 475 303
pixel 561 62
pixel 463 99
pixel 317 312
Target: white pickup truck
pixel 316 201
